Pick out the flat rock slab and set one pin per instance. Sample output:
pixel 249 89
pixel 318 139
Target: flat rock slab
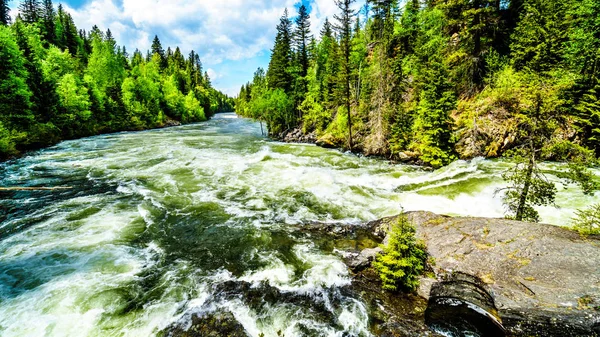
pixel 533 270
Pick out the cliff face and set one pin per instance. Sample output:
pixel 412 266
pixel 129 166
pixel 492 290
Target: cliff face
pixel 544 280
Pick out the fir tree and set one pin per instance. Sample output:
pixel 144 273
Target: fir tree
pixel 278 75
pixel 301 39
pixel 539 37
pixel 157 49
pixel 344 29
pixel 4 13
pixel 48 19
pixel 31 11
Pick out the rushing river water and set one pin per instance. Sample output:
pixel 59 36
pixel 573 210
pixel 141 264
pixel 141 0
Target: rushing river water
pixel 156 222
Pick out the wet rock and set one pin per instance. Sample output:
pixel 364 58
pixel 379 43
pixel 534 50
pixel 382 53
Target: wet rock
pixel 462 304
pixel 297 136
pixel 171 122
pixel 391 314
pixel 358 261
pixel 327 142
pixel 216 324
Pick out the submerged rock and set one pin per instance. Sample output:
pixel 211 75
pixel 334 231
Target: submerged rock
pixel 216 324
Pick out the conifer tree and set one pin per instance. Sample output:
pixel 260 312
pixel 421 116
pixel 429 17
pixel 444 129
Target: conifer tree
pixel 31 11
pixel 44 100
pixel 158 49
pixel 344 29
pixel 539 37
pixel 48 16
pixel 278 75
pixel 301 38
pixel 4 13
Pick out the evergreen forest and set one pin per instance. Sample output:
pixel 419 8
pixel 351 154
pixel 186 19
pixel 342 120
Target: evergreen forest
pixel 432 81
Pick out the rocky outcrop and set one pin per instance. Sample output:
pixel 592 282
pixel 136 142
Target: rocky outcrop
pixel 545 280
pixel 542 280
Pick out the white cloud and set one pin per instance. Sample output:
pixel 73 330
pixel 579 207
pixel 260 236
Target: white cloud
pixel 218 30
pixel 212 74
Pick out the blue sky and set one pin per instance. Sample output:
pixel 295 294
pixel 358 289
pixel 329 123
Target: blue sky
pixel 233 37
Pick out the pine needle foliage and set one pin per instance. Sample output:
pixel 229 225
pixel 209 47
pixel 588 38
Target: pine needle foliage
pixel 403 259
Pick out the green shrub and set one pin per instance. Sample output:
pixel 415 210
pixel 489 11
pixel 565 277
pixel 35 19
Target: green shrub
pixel 403 259
pixel 587 221
pixel 7 144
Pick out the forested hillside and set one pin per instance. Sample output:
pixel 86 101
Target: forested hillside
pixel 432 81
pixel 58 82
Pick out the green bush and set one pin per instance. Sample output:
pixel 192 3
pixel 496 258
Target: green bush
pixel 7 144
pixel 587 221
pixel 403 259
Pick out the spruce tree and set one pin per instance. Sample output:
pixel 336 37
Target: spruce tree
pixel 158 50
pixel 301 39
pixel 344 29
pixel 538 39
pixel 44 100
pixel 31 11
pixel 278 75
pixel 48 16
pixel 4 13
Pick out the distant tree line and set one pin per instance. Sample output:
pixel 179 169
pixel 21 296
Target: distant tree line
pixel 58 82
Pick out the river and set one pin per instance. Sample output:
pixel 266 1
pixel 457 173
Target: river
pixel 154 222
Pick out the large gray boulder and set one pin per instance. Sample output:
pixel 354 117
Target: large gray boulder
pixel 545 280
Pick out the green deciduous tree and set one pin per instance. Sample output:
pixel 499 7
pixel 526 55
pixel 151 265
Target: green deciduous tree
pixel 15 104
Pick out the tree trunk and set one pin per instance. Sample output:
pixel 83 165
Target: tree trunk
pixel 348 98
pixel 527 186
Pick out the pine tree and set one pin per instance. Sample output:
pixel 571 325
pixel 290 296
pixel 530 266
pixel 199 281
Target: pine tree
pixel 539 37
pixel 4 13
pixel 301 38
pixel 278 75
pixel 48 16
pixel 44 100
pixel 31 11
pixel 344 29
pixel 158 49
pixel 327 30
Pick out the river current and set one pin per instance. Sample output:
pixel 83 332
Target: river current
pixel 152 226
